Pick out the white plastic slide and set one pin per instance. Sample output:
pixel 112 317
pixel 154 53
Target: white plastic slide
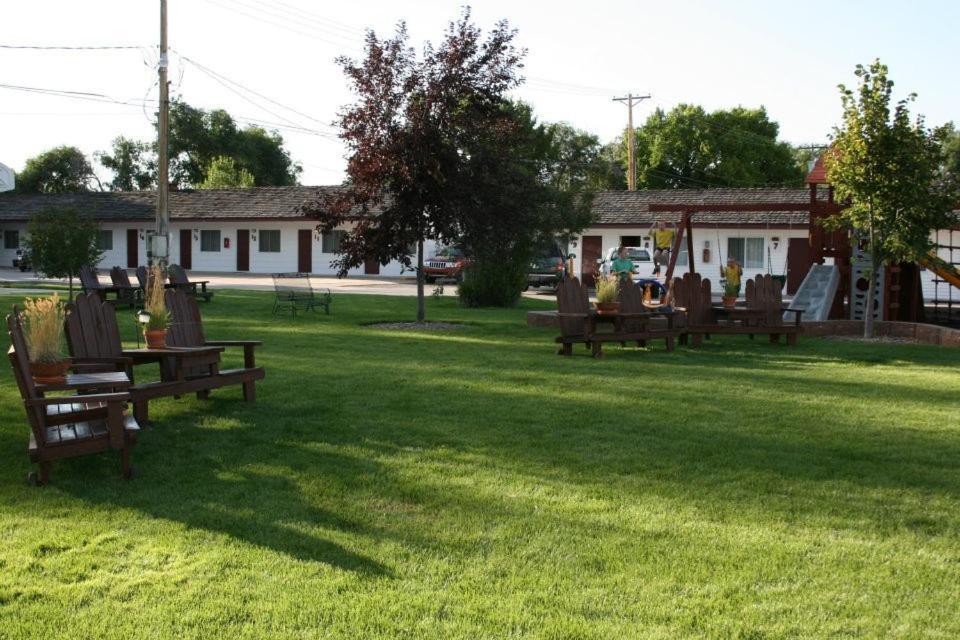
pixel 816 293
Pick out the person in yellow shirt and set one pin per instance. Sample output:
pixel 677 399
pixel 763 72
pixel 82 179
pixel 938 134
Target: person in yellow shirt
pixel 662 245
pixel 732 273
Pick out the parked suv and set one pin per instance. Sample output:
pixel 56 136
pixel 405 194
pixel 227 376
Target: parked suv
pixel 641 258
pixel 548 268
pixel 447 263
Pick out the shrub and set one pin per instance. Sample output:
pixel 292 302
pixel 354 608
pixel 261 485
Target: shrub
pixel 43 328
pixel 493 284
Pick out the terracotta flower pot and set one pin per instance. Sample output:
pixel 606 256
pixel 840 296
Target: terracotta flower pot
pixel 156 338
pixel 608 308
pixel 50 372
pixel 729 301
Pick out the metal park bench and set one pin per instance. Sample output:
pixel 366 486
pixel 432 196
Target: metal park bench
pixel 296 290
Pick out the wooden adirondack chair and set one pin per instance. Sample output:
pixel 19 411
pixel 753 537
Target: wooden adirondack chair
pixel 93 338
pixel 573 305
pixel 179 279
pixel 186 330
pixel 693 299
pixel 69 426
pixel 142 280
pixel 90 281
pixel 765 292
pixel 126 292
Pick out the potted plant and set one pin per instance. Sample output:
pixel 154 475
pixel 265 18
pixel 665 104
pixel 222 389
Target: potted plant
pixel 608 293
pixel 155 318
pixel 43 330
pixel 731 291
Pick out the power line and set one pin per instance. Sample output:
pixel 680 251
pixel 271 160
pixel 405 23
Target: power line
pixel 71 48
pixel 222 77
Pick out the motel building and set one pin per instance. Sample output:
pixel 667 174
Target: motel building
pixel 262 230
pixel 258 230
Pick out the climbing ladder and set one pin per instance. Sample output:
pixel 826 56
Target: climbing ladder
pixel 946 290
pixel 816 293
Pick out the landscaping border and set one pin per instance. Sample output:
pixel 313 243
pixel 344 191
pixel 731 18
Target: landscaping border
pixel 920 332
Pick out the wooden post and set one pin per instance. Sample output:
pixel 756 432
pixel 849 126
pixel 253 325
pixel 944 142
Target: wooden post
pixel 689 229
pixel 684 225
pixel 163 161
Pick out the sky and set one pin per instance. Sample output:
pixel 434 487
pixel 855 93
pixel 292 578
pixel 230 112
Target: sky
pixel 786 56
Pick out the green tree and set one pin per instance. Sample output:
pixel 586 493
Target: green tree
pixel 61 242
pixel 573 159
pixel 528 183
pixel 688 147
pixel 889 168
pixel 199 137
pixel 225 173
pixel 133 163
pixel 60 170
pixel 951 150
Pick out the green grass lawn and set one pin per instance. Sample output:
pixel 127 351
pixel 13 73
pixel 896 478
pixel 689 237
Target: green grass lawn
pixel 472 484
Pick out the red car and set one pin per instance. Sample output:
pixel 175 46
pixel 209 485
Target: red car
pixel 447 264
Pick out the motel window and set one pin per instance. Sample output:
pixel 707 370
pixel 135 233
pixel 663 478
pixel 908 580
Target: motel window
pixel 105 240
pixel 209 240
pixel 269 241
pixel 11 239
pixel 332 240
pixel 747 251
pixel 682 255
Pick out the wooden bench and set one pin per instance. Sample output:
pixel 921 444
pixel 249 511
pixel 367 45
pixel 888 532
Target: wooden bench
pixel 186 330
pixel 179 279
pixel 93 338
pixel 701 318
pixel 296 290
pixel 70 426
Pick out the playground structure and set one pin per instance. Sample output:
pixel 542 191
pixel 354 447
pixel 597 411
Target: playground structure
pixel 836 282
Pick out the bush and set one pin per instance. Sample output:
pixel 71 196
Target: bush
pixel 492 283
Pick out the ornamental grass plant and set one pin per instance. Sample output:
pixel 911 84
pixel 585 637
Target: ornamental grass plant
pixel 608 288
pixel 43 328
pixel 155 303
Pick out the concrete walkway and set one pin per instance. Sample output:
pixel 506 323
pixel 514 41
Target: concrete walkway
pixel 406 286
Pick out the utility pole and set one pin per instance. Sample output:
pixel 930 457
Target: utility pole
pixel 631 100
pixel 160 241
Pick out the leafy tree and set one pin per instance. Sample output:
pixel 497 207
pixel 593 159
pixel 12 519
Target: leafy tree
pixel 527 185
pixel 199 137
pixel 688 147
pixel 224 172
pixel 60 170
pixel 574 159
pixel 61 242
pixel 889 169
pixel 951 150
pixel 410 133
pixel 134 165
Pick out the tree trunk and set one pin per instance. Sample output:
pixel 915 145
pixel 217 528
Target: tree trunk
pixel 421 302
pixel 873 282
pixel 70 280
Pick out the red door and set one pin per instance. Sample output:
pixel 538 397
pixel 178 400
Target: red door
pixel 186 249
pixel 133 248
pixel 371 267
pixel 243 249
pixel 305 251
pixel 592 250
pixel 798 263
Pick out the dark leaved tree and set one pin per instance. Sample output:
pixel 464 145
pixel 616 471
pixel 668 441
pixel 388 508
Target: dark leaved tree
pixel 409 134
